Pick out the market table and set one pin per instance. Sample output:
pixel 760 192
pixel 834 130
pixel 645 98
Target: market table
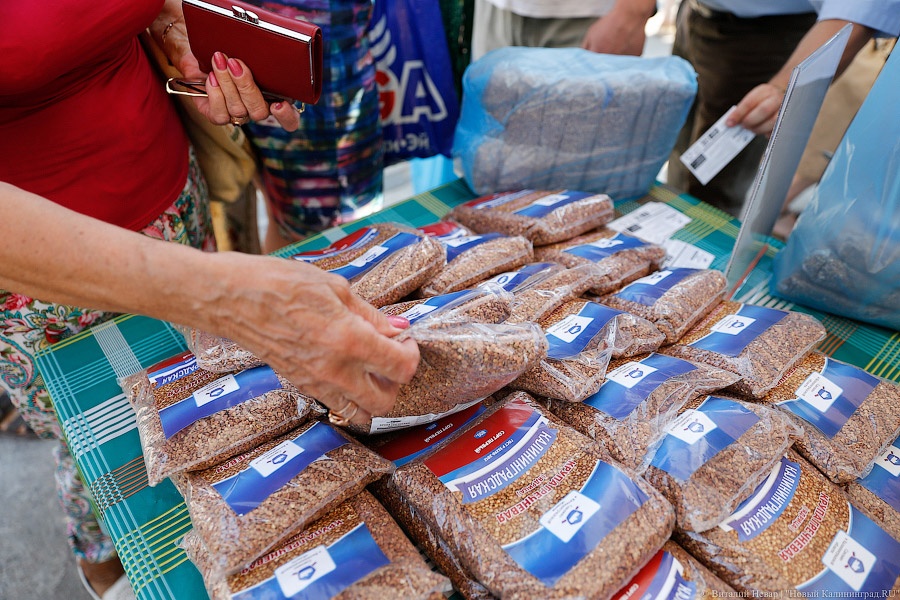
pixel 82 374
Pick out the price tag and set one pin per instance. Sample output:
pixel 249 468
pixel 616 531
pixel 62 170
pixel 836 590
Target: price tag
pixel 715 149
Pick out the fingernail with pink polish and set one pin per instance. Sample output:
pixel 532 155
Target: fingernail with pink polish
pixel 398 321
pixel 213 81
pixel 219 60
pixel 235 67
pixel 277 106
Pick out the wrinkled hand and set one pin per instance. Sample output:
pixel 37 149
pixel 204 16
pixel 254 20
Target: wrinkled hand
pixel 308 326
pixel 758 110
pixel 233 96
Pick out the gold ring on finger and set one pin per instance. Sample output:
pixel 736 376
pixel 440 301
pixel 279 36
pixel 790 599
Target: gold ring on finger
pixel 340 417
pixel 238 121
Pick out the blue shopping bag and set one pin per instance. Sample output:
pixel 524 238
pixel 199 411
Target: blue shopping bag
pixel 418 103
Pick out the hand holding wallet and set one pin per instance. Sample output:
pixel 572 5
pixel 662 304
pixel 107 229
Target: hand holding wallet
pixel 284 55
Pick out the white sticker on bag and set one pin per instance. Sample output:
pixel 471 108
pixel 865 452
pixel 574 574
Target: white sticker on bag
pixel 272 460
pixel 819 392
pixel 569 515
pixel 296 575
pixel 216 389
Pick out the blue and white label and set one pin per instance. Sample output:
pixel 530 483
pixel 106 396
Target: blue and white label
pixel 251 486
pixel 375 255
pixel 434 303
pixel 627 386
pixel 647 290
pixel 324 571
pixel 511 280
pixel 768 502
pixel 862 559
pixel 691 426
pixel 577 524
pixel 571 335
pixel 697 435
pixel 211 391
pixel 223 393
pixel 605 247
pixel 296 575
pixel 828 399
pixel 731 334
pixel 567 517
pixel 457 245
pixel 884 478
pixel 275 458
pixel 547 204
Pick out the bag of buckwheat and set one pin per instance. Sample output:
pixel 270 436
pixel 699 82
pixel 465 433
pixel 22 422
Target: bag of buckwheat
pixel 383 263
pixel 640 396
pixel 583 336
pixel 459 363
pixel 400 447
pixel 247 505
pixel 540 288
pixel 472 258
pixel 878 493
pixel 673 574
pixel 190 419
pixel 488 303
pixel 533 509
pixel 544 217
pixel 673 299
pixel 797 535
pixel 849 415
pixel 355 551
pixel 623 258
pixel 758 343
pixel 714 455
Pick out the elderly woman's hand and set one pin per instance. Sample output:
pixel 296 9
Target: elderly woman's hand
pixel 308 326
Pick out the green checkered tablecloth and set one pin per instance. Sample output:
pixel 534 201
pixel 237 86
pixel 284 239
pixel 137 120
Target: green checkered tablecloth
pixel 82 376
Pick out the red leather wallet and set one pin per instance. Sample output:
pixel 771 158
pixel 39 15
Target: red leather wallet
pixel 284 55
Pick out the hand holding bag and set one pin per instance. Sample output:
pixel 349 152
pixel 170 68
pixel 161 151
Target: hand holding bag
pixel 284 55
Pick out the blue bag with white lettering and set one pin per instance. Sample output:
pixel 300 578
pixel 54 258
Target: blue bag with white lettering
pixel 418 102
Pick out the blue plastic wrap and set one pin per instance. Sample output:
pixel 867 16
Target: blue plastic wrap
pixel 843 256
pixel 566 118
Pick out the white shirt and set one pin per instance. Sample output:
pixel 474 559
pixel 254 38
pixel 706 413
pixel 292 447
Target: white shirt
pixel 547 9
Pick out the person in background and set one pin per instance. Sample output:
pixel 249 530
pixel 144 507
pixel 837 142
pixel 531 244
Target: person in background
pixel 607 26
pixel 329 171
pixel 744 53
pixel 92 156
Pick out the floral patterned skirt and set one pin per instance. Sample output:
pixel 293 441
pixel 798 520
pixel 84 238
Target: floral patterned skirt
pixel 28 325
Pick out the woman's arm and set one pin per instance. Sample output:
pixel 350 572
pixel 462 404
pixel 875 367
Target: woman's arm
pixel 302 321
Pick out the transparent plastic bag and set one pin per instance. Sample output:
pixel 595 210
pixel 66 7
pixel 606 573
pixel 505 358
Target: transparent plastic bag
pixel 714 455
pixel 797 535
pixel 843 256
pixel 248 505
pixel 540 288
pixel 190 419
pixel 850 416
pixel 383 262
pixel 488 303
pixel 459 363
pixel 582 337
pixel 673 299
pixel 556 118
pixel 400 447
pixel 673 566
pixel 758 343
pixel 636 403
pixel 878 493
pixel 544 217
pixel 517 497
pixel 622 257
pixel 355 551
pixel 472 258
